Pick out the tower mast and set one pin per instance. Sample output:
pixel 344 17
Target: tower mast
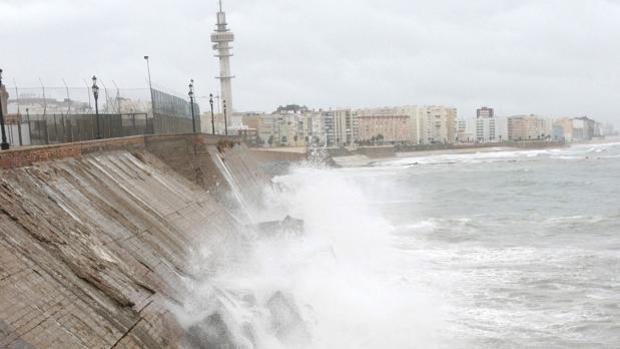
pixel 222 37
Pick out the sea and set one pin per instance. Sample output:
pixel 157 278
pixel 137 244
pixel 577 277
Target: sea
pixel 496 249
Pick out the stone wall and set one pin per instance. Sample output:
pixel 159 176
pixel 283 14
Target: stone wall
pixel 95 237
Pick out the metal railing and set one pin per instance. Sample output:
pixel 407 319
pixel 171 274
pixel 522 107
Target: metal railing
pixel 39 116
pixel 59 128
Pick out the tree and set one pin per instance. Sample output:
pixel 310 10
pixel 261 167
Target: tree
pixel 295 108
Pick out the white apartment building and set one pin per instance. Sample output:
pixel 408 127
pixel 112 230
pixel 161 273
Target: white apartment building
pixel 491 130
pixel 465 133
pixel 435 124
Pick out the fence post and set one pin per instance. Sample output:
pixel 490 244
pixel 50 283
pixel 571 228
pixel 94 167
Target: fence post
pixel 55 129
pixel 133 122
pixel 62 121
pixel 47 133
pixel 7 127
pixel 19 129
pixel 70 127
pixel 29 127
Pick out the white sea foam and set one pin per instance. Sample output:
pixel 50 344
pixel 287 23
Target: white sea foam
pixel 494 267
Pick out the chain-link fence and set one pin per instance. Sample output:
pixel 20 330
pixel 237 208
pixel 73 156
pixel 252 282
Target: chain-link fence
pixel 48 115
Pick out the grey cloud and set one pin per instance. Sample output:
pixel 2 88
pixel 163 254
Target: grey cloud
pixel 549 57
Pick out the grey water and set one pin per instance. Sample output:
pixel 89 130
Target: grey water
pixel 497 249
pixel 522 247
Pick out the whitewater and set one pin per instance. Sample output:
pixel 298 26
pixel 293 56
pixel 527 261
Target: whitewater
pixel 501 249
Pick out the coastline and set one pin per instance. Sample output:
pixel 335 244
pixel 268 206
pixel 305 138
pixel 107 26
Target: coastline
pixel 356 158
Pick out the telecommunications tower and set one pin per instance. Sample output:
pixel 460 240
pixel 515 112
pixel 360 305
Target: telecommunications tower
pixel 221 38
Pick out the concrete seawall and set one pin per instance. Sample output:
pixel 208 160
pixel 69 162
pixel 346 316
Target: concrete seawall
pixel 95 237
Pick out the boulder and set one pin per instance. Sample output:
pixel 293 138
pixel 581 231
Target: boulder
pixel 288 226
pixel 286 320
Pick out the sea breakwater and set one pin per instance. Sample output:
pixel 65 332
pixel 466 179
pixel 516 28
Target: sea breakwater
pixel 97 238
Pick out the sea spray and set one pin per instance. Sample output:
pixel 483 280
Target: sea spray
pixel 331 286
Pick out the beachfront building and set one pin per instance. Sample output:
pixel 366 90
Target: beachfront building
pixel 338 127
pixel 386 128
pixel 343 127
pixel 491 130
pixel 436 125
pixel 423 124
pixel 485 130
pixel 464 131
pixel 528 127
pixel 583 128
pixel 562 129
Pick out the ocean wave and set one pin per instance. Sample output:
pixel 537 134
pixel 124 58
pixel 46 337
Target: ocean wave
pixel 575 152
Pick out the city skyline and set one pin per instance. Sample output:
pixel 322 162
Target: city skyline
pixel 512 57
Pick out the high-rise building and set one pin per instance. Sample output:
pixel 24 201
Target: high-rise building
pixel 437 125
pixel 583 128
pixel 528 127
pixel 485 130
pixel 222 37
pixel 464 132
pixel 338 127
pixel 491 129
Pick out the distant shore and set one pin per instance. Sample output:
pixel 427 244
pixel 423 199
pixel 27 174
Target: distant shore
pixel 365 155
pixel 353 160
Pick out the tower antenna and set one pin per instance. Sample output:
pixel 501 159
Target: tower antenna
pixel 222 37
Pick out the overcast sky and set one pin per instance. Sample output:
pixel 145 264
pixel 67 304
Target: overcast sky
pixel 554 58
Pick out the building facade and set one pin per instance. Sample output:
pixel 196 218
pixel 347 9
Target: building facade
pixel 528 127
pixel 437 125
pixel 583 128
pixel 383 128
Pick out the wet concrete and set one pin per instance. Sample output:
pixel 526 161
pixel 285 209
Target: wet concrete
pixel 95 240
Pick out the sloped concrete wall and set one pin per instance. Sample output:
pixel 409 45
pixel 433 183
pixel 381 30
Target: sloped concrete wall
pixel 95 238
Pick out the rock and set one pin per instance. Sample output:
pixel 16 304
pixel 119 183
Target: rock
pixel 288 226
pixel 211 333
pixel 286 320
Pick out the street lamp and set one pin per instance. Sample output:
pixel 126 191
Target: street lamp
pixel 96 95
pixel 225 121
pixel 191 102
pixel 5 144
pixel 148 69
pixel 212 117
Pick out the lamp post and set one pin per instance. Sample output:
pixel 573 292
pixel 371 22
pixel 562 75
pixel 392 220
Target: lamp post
pixel 191 103
pixel 148 69
pixel 96 95
pixel 212 116
pixel 225 121
pixel 28 121
pixel 5 144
